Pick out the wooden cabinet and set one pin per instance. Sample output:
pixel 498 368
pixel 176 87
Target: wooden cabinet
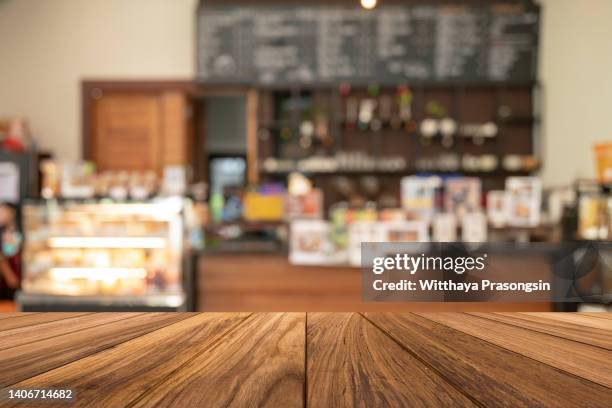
pixel 137 125
pixel 176 140
pixel 126 132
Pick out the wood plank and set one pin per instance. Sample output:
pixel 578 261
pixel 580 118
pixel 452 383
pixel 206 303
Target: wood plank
pixel 120 375
pixel 261 363
pixel 582 360
pixel 31 319
pixel 582 334
pixel 12 315
pixel 601 315
pixel 582 320
pixel 352 363
pixel 28 360
pixel 48 325
pixel 490 374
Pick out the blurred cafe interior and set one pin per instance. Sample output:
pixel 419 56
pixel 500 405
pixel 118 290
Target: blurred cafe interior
pixel 227 155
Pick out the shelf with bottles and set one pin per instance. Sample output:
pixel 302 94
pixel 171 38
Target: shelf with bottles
pixel 494 123
pixel 358 163
pixel 394 173
pixel 103 249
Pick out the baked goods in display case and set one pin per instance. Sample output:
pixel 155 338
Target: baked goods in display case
pixel 103 249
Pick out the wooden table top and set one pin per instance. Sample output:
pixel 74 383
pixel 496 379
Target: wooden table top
pixel 311 359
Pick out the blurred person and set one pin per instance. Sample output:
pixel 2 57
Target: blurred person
pixel 10 247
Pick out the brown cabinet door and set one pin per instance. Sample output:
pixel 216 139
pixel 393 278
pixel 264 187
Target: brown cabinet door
pixel 137 126
pixel 127 131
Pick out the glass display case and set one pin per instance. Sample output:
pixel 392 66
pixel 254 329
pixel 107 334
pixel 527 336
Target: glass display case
pixel 103 256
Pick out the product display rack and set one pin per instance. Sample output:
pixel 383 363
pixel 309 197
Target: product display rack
pixel 98 255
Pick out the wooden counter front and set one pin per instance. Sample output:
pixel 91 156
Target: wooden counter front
pixel 269 283
pixel 314 359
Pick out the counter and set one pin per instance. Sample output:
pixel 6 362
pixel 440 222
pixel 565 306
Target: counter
pixel 267 282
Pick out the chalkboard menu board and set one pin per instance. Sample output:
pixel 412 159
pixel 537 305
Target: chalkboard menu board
pixel 390 44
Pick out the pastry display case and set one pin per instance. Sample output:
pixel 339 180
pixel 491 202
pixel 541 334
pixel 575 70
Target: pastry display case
pixel 100 255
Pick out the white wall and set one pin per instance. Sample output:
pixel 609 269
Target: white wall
pixel 576 72
pixel 48 46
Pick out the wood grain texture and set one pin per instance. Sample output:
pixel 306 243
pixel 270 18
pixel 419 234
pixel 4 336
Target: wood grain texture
pixel 17 320
pixel 490 374
pixel 351 363
pixel 54 326
pixel 596 314
pixel 573 318
pixel 315 359
pixel 11 315
pixel 122 374
pixel 562 329
pixel 259 364
pixel 583 360
pixel 31 359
